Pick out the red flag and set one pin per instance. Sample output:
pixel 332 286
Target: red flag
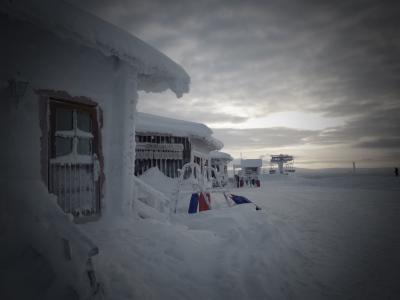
pixel 202 203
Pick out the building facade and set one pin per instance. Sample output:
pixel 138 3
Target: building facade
pixel 220 161
pixel 69 85
pixel 168 144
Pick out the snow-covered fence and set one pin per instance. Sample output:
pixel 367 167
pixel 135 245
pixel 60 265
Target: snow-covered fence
pixel 193 180
pixel 75 188
pixel 199 179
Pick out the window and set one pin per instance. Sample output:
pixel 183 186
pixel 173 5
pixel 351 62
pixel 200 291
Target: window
pixel 73 132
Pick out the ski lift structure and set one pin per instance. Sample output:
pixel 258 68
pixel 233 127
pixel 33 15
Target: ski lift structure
pixel 283 163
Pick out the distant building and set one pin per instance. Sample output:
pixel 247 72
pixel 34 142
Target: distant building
pixel 251 168
pixel 168 144
pixel 249 171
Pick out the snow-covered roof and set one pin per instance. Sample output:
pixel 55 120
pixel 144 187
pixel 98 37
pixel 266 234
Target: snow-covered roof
pixel 251 163
pixel 156 71
pixel 157 124
pixel 221 155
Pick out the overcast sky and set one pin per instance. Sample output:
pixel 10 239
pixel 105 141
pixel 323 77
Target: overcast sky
pixel 316 79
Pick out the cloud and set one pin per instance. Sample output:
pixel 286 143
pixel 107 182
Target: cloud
pixel 379 128
pixel 380 143
pixel 338 58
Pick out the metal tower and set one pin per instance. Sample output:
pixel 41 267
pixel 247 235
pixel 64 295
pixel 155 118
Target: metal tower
pixel 285 163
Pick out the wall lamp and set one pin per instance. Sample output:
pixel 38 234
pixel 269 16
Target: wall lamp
pixel 18 88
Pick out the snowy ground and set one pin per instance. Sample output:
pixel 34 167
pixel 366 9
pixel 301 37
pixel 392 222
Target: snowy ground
pixel 318 236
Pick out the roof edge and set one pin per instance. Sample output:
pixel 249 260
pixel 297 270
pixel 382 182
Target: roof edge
pixel 67 21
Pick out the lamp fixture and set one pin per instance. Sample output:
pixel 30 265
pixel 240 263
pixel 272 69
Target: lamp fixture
pixel 18 88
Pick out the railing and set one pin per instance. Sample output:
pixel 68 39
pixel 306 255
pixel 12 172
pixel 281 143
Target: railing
pixel 200 179
pixel 75 188
pixel 194 181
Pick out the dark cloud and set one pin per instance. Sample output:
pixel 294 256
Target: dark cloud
pixel 378 128
pixel 337 58
pixel 380 143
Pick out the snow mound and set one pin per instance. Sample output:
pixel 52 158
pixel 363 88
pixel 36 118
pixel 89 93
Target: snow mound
pixel 42 250
pixel 225 254
pixel 308 242
pixel 156 179
pixel 152 203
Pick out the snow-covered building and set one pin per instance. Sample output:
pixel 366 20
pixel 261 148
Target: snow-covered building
pixel 251 167
pixel 249 172
pixel 220 161
pixel 169 143
pixel 69 84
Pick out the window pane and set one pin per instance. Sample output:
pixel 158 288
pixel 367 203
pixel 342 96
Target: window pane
pixel 63 146
pixel 84 146
pixel 64 119
pixel 84 121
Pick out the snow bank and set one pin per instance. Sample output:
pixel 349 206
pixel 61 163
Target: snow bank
pixel 212 255
pixel 156 71
pixel 307 242
pixel 148 123
pixel 152 198
pixel 348 231
pixel 44 254
pixel 155 178
pixel 380 179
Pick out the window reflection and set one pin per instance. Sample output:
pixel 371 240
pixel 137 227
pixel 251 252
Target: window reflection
pixel 63 146
pixel 84 146
pixel 64 119
pixel 84 121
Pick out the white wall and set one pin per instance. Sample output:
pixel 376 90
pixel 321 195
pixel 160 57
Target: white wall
pixel 49 62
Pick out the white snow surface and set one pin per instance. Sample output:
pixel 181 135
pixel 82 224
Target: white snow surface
pixel 221 155
pixel 33 261
pixel 157 124
pixel 69 22
pixel 251 163
pixel 316 237
pixel 155 178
